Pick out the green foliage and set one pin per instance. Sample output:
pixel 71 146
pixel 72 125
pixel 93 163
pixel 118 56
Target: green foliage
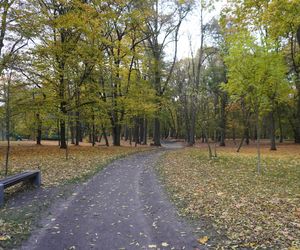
pixel 256 73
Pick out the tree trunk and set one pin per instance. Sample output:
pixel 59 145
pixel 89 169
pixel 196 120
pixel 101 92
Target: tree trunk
pixel 105 136
pixel 93 131
pixel 7 123
pixel 130 136
pixel 156 135
pixel 116 135
pixel 258 144
pixel 241 144
pixel 39 129
pixel 209 147
pixel 145 131
pixel 247 135
pixel 272 131
pixel 297 135
pixel 77 129
pixel 187 126
pixel 7 151
pixel 297 118
pixel 90 134
pixel 126 133
pixel 67 139
pixel 223 120
pixel 202 137
pixel 233 135
pixel 280 128
pixel 58 132
pixel 136 131
pixel 142 128
pixel 63 143
pixel 191 135
pixel 73 132
pixel 255 134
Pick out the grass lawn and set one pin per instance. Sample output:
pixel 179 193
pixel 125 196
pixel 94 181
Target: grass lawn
pixel 55 169
pixel 17 221
pixel 251 210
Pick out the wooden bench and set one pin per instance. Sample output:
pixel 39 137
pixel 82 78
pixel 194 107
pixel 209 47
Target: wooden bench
pixel 33 176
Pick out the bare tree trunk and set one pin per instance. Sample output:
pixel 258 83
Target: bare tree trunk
pixel 209 147
pixel 58 132
pixel 241 144
pixel 223 120
pixel 145 131
pixel 67 139
pixel 7 123
pixel 272 131
pixel 72 130
pixel 156 135
pixel 39 129
pixel 126 133
pixel 280 128
pixel 105 136
pixel 63 143
pixel 142 128
pixel 233 135
pixel 116 135
pixel 7 152
pixel 93 131
pixel 247 134
pixel 136 131
pixel 297 113
pixel 258 145
pixel 215 150
pixel 130 136
pixel 77 129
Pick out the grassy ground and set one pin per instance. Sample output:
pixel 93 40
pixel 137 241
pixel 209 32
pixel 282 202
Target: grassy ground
pixel 253 211
pixel 55 169
pixel 18 217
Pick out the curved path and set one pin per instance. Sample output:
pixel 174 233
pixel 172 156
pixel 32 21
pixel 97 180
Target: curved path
pixel 122 207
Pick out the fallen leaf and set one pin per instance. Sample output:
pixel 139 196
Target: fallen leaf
pixel 4 237
pixel 164 244
pixel 203 240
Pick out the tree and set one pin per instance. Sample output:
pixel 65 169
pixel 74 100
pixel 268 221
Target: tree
pixel 258 79
pixel 284 26
pixel 63 27
pixel 13 36
pixel 162 24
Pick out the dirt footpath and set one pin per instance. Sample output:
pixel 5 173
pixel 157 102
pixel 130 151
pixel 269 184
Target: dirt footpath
pixel 123 207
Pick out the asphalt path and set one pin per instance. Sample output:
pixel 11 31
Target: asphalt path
pixel 122 207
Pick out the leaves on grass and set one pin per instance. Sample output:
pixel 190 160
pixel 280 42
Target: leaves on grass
pixel 254 211
pixel 55 169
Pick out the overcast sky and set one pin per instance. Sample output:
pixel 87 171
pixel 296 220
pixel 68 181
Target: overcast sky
pixel 191 28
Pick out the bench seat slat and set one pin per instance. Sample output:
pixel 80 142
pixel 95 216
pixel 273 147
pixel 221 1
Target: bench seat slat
pixel 7 179
pixel 34 176
pixel 12 180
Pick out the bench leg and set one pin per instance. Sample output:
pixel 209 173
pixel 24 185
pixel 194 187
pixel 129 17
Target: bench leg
pixel 1 195
pixel 37 180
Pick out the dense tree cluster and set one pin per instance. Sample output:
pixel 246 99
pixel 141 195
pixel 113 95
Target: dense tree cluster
pixel 77 68
pixel 244 80
pixel 86 68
